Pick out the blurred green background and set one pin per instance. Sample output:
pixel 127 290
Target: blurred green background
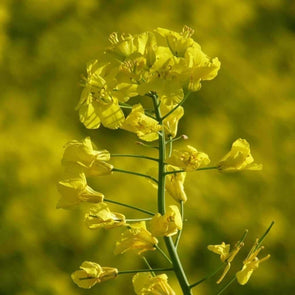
pixel 44 47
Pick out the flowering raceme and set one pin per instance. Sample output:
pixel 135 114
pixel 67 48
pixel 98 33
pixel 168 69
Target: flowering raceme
pixel 140 84
pixel 161 61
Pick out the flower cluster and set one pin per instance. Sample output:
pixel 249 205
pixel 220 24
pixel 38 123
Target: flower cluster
pixel 162 61
pixel 164 67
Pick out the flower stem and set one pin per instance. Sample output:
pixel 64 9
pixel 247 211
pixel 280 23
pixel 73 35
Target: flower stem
pixel 138 219
pixel 180 231
pixel 149 266
pixel 129 206
pixel 207 277
pixel 227 285
pixel 143 270
pixel 178 105
pixel 199 169
pixel 264 235
pixel 135 173
pixel 163 253
pixel 178 269
pixel 135 156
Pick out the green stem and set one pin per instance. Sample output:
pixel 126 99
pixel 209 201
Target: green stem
pixel 178 269
pixel 227 285
pixel 138 219
pixel 163 253
pixel 143 270
pixel 129 206
pixel 135 156
pixel 148 265
pixel 180 231
pixel 170 147
pixel 207 277
pixel 182 170
pixel 264 235
pixel 176 138
pixel 178 105
pixel 135 173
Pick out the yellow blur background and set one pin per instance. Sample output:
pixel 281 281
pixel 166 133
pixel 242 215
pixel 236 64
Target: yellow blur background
pixel 44 47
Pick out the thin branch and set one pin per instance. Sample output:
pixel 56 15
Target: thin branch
pixel 129 206
pixel 135 173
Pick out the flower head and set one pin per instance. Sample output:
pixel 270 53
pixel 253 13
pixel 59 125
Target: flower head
pixel 174 184
pixel 84 156
pixel 136 238
pixel 146 284
pixel 100 216
pixel 188 158
pixel 91 273
pixel 145 127
pixel 168 224
pixel 250 264
pixel 75 190
pixel 239 158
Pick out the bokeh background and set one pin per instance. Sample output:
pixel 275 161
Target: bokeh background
pixel 44 47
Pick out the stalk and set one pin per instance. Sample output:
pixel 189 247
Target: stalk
pixel 177 266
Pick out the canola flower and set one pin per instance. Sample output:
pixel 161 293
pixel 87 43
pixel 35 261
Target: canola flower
pixel 91 273
pixel 137 238
pixel 163 67
pixel 146 284
pixel 75 190
pixel 168 224
pixel 250 264
pixel 101 216
pixel 238 158
pixel 188 158
pixel 82 156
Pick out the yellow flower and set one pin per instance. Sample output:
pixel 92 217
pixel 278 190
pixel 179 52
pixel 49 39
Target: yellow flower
pixel 75 190
pixel 83 155
pixel 91 273
pixel 145 127
pixel 188 158
pixel 225 255
pixel 178 43
pixel 188 62
pixel 203 70
pixel 239 158
pixel 250 264
pixel 222 250
pixel 145 284
pixel 168 224
pixel 170 123
pixel 97 103
pixel 100 216
pixel 136 238
pixel 174 184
